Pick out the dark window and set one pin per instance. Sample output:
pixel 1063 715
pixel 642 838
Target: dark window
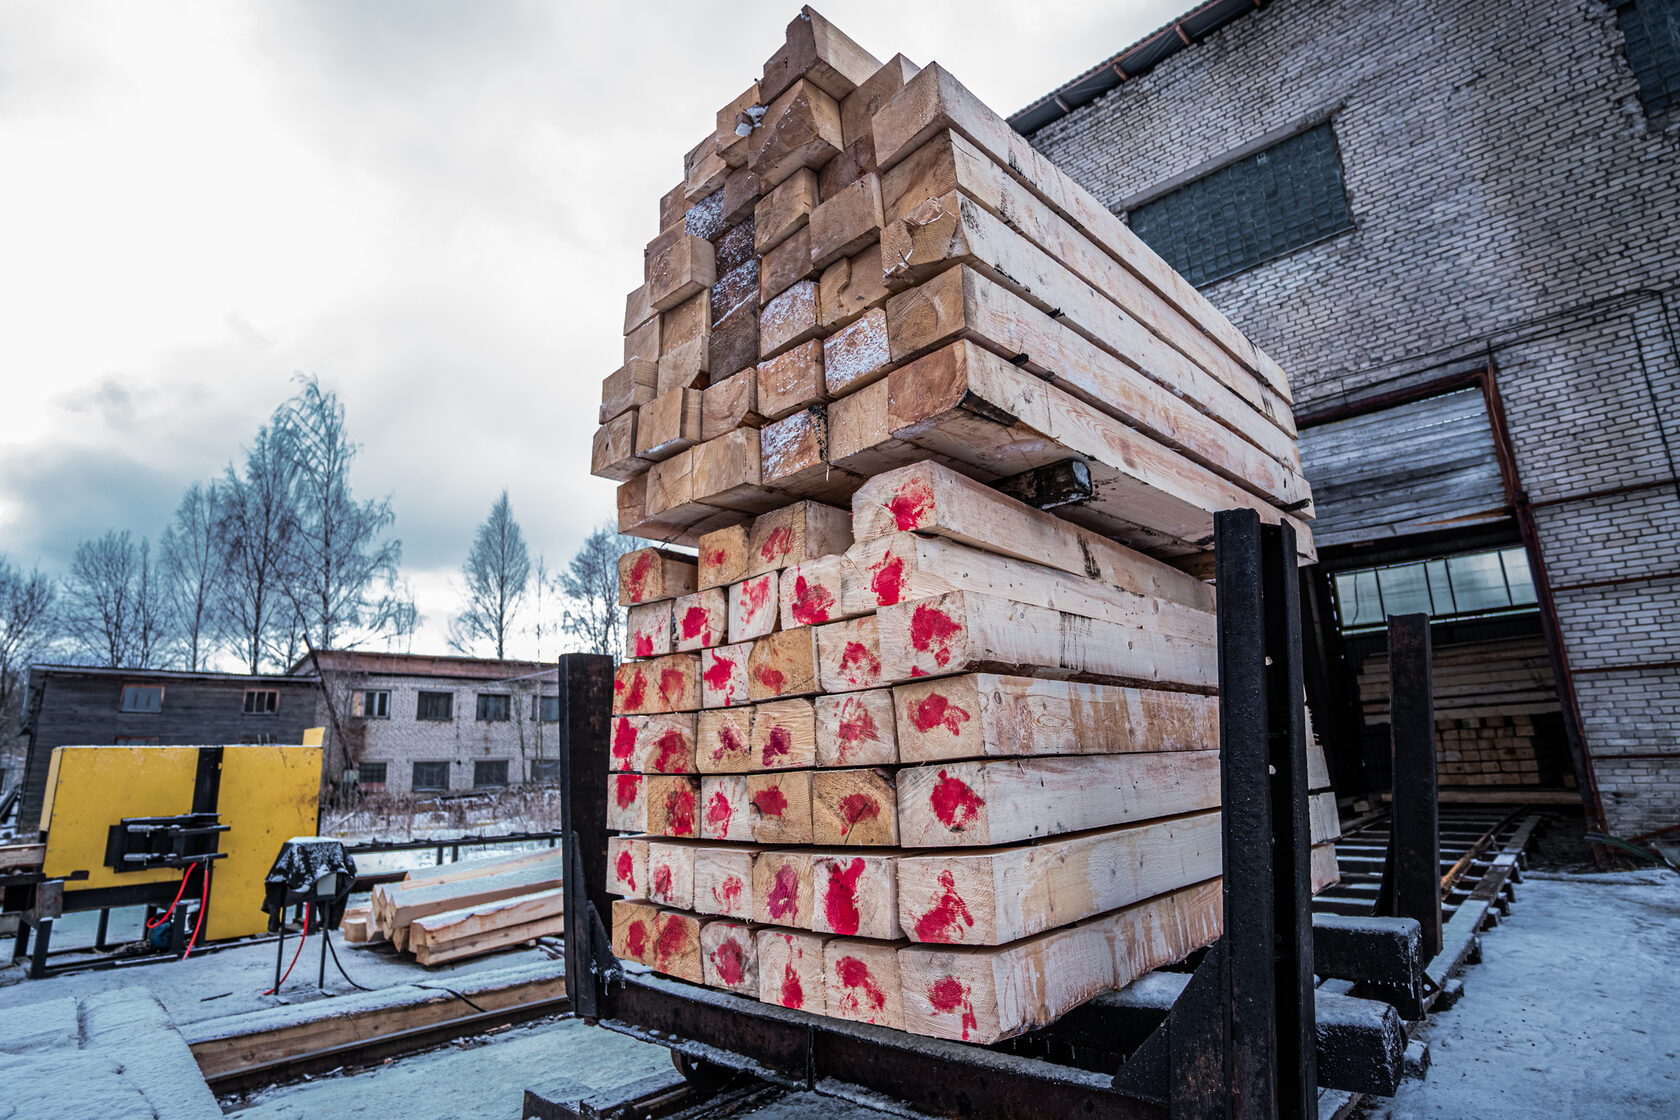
pixel 373 704
pixel 261 701
pixel 492 706
pixel 431 776
pixel 256 740
pixel 137 740
pixel 142 698
pixel 1474 585
pixel 1256 209
pixel 545 770
pixel 545 708
pixel 492 773
pixel 372 773
pixel 435 705
pixel 1651 32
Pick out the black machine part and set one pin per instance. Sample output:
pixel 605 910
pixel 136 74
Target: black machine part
pixel 145 843
pixel 313 870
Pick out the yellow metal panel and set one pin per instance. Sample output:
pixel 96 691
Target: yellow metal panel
pixel 92 788
pixel 269 794
pixel 314 736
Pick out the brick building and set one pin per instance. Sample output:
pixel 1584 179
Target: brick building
pixel 1456 223
pixel 410 723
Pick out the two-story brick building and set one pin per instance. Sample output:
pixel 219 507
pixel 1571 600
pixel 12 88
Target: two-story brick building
pixel 1456 223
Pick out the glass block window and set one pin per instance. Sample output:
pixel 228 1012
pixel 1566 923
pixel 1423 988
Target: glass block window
pixel 435 705
pixel 1254 210
pixel 490 773
pixel 1651 32
pixel 1475 585
pixel 431 776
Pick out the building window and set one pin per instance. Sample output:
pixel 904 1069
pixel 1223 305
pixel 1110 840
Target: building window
pixel 142 698
pixel 371 773
pixel 545 770
pixel 1651 37
pixel 436 705
pixel 430 777
pixel 1254 210
pixel 372 704
pixel 260 739
pixel 493 706
pixel 261 701
pixel 545 708
pixel 489 773
pixel 1475 585
pixel 137 740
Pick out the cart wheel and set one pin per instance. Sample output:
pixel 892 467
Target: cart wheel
pixel 706 1077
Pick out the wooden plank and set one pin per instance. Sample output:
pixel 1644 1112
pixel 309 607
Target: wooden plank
pixel 812 592
pixel 854 808
pixel 863 982
pixel 627 803
pixel 790 969
pixel 801 129
pixel 634 930
pixel 470 922
pixel 724 740
pixel 638 308
pixel 1326 873
pixel 676 946
pixel 685 366
pixel 781 806
pixel 733 348
pixel 726 814
pixel 627 866
pixel 679 265
pixel 779 270
pixel 642 344
pixel 796 533
pixel 984 995
pixel 795 457
pixel 933 101
pixel 668 424
pixel 791 381
pixel 723 676
pixel 1000 895
pixel 789 319
pixel 820 53
pixel 857 729
pixel 851 287
pixel 723 881
pixel 647 629
pixel 672 805
pixel 470 869
pixel 396 910
pixel 631 385
pixel 753 607
pixel 858 107
pixel 729 957
pixel 1323 819
pixel 970 804
pixel 723 557
pixel 857 354
pixel 782 888
pixel 703 171
pixel 847 221
pixel 989 716
pixel 507 937
pixel 728 140
pixel 849 655
pixel 661 744
pixel 701 619
pixel 783 211
pixel 670 490
pixel 930 498
pixel 673 206
pixel 855 896
pixel 664 684
pixel 671 874
pixel 855 160
pixel 783 664
pixel 784 735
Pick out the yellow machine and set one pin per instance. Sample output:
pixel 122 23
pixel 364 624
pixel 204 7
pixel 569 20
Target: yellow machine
pixel 125 823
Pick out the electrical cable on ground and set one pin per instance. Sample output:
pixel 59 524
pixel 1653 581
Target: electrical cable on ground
pixel 307 908
pixel 334 951
pixel 179 891
pixel 203 905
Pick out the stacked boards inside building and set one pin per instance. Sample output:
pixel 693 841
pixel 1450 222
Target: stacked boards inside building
pixel 925 731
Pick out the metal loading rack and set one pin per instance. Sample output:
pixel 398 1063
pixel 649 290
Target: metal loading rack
pixel 1244 1033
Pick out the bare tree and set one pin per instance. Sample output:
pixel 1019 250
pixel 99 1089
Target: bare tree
pixel 113 613
pixel 193 565
pixel 26 618
pixel 590 584
pixel 258 519
pixel 342 562
pixel 498 576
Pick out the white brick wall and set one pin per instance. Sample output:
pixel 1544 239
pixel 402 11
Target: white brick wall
pixel 1508 193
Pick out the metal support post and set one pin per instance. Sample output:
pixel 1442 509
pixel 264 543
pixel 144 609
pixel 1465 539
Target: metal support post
pixel 585 681
pixel 1411 886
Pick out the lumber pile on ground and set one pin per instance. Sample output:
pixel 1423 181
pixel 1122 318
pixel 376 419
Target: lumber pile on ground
pixel 465 909
pixel 924 733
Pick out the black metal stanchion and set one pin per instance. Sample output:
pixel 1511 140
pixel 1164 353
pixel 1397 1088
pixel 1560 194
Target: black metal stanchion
pixel 1411 885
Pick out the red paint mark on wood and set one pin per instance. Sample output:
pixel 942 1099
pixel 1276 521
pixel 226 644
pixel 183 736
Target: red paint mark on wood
pixel 840 900
pixel 636 939
pixel 793 993
pixel 859 665
pixel 783 901
pixel 776 545
pixel 718 814
pixel 644 644
pixel 854 974
pixel 888 581
pixel 940 923
pixel 946 995
pixel 933 710
pixel 911 503
pixel 728 893
pixel 679 813
pixel 662 882
pixel 640 568
pixel 672 756
pixel 730 742
pixel 673 939
pixel 755 593
pixel 636 698
pixel 694 624
pixel 917 671
pixel 954 802
pixel 625 868
pixel 625 789
pixel 855 729
pixel 780 743
pixel 855 807
pixel 716 557
pixel 720 674
pixel 771 679
pixel 770 801
pixel 811 602
pixel 729 961
pixel 673 687
pixel 931 630
pixel 624 741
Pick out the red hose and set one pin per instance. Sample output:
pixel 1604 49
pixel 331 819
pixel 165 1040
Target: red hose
pixel 306 908
pixel 181 890
pixel 203 905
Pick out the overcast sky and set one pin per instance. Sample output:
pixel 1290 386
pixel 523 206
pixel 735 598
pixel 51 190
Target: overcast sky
pixel 437 207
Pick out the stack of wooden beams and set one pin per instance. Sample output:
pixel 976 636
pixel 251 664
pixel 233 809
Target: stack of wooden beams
pixel 465 909
pixel 897 745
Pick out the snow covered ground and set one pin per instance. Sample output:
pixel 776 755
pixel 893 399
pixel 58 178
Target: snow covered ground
pixel 1572 1012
